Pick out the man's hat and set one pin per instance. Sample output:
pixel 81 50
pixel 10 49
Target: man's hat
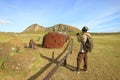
pixel 85 29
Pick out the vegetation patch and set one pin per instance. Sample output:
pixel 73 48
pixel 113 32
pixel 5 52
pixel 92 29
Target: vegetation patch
pixel 20 62
pixel 5 49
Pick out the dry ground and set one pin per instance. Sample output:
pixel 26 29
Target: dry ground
pixel 103 62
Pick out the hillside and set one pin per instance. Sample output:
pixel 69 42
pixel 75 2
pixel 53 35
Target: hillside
pixel 35 28
pixel 63 28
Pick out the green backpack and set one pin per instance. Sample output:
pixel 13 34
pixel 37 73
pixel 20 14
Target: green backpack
pixel 88 46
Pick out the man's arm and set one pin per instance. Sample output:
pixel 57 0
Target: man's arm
pixel 78 37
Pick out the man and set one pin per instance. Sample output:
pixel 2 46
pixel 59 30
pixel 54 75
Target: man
pixel 82 55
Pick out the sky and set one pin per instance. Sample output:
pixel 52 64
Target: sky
pixel 98 15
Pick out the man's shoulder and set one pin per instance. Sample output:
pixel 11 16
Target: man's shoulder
pixel 89 35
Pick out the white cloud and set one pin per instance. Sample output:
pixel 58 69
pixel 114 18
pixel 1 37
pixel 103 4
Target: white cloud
pixel 4 21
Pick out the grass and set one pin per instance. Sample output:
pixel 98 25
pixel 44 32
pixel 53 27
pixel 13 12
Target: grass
pixel 103 61
pixel 5 37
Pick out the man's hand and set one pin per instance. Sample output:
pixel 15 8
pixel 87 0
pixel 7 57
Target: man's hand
pixel 77 34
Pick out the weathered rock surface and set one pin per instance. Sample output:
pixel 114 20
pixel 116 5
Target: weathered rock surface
pixel 54 40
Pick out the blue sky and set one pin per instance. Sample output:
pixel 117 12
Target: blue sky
pixel 98 15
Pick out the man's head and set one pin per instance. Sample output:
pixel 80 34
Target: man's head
pixel 85 29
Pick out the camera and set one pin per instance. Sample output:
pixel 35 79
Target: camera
pixel 77 34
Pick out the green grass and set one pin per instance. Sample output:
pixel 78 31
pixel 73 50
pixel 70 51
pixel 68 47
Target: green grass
pixel 103 61
pixel 4 37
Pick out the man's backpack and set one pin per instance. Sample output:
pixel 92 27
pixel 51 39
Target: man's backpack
pixel 88 46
